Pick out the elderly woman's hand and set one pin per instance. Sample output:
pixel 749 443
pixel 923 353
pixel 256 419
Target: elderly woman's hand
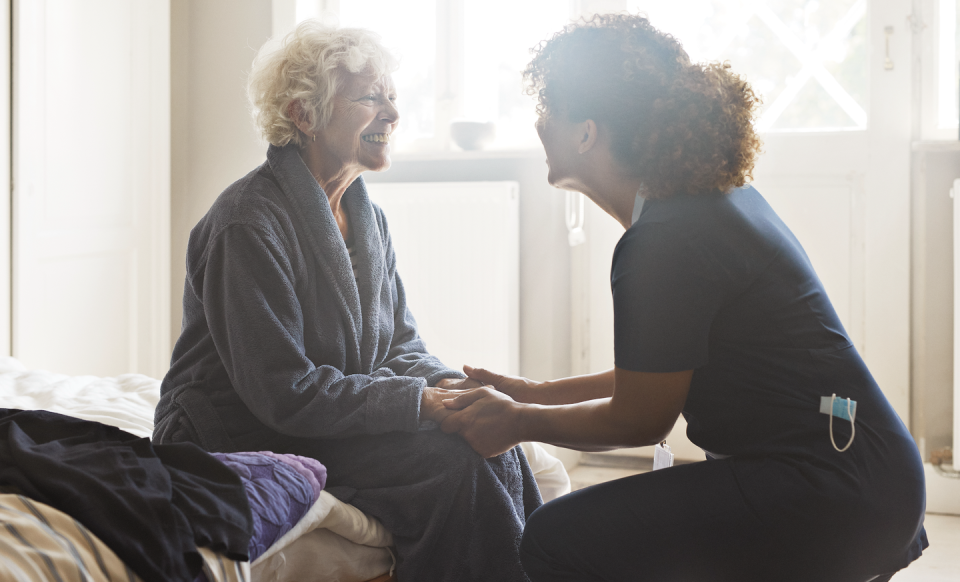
pixel 517 388
pixel 486 418
pixel 431 403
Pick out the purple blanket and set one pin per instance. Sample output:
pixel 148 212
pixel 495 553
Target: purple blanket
pixel 280 490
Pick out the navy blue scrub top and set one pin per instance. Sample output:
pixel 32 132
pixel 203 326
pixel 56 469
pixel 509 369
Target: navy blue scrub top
pixel 717 283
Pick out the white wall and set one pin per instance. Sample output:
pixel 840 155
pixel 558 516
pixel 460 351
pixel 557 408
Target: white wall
pixel 935 166
pixel 213 141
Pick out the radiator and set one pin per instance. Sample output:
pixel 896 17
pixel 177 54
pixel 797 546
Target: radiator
pixel 457 246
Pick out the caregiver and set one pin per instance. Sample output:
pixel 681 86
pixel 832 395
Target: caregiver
pixel 718 315
pixel 296 334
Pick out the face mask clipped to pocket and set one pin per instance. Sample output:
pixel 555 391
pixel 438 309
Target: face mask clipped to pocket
pixel 844 408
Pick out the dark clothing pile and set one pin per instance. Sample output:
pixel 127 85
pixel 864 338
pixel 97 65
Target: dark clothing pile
pixel 151 504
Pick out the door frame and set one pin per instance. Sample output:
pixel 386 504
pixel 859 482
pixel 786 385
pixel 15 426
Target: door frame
pixel 6 199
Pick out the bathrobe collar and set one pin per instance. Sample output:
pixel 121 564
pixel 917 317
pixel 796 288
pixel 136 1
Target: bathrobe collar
pixel 359 299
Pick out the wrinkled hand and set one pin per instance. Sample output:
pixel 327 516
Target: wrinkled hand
pixel 517 388
pixel 459 383
pixel 431 403
pixel 486 418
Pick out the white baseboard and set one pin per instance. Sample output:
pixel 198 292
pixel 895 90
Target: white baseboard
pixel 943 493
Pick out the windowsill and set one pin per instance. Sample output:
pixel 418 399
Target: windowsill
pixel 461 155
pixel 936 145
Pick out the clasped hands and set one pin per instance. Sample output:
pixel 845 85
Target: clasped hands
pixel 484 409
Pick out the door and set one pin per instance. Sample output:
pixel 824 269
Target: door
pixel 836 122
pixel 91 185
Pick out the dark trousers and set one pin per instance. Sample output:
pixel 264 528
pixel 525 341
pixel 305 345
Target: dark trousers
pixel 688 523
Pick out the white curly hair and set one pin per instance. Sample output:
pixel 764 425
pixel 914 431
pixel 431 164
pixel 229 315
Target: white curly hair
pixel 307 67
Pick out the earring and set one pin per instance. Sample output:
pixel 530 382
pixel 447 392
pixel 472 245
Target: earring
pixel 314 137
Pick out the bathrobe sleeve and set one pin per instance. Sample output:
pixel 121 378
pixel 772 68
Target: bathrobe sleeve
pixel 257 324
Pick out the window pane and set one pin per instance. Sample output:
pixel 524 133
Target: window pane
pixel 807 59
pixel 497 49
pixel 408 29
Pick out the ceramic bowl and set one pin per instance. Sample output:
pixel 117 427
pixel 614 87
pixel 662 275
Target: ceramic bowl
pixel 472 135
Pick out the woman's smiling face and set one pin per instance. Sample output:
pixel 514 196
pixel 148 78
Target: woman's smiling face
pixel 361 127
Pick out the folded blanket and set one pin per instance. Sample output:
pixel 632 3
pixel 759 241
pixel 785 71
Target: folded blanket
pixel 280 490
pixel 311 469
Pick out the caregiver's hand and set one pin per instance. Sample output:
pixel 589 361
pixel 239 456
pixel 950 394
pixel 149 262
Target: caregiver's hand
pixel 517 388
pixel 431 403
pixel 459 383
pixel 486 418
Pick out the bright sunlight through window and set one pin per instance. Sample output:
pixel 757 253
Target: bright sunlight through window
pixel 806 58
pixel 462 59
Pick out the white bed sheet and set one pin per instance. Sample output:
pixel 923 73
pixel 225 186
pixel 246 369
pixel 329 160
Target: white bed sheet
pixel 126 401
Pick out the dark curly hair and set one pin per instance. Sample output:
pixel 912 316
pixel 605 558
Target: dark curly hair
pixel 681 127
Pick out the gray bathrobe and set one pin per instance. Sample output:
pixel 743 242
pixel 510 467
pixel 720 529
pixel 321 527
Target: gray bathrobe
pixel 283 349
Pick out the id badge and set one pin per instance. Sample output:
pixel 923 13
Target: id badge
pixel 662 457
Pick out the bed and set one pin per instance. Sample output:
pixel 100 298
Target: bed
pixel 331 540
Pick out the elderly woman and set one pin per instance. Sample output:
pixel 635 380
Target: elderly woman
pixel 718 316
pixel 296 335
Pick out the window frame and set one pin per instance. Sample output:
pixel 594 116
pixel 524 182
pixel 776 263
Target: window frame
pixel 927 31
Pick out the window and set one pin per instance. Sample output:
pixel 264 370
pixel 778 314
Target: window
pixel 807 59
pixel 460 59
pixel 935 24
pixel 496 50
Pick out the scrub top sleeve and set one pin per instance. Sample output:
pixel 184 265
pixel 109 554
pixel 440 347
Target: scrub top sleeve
pixel 664 300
